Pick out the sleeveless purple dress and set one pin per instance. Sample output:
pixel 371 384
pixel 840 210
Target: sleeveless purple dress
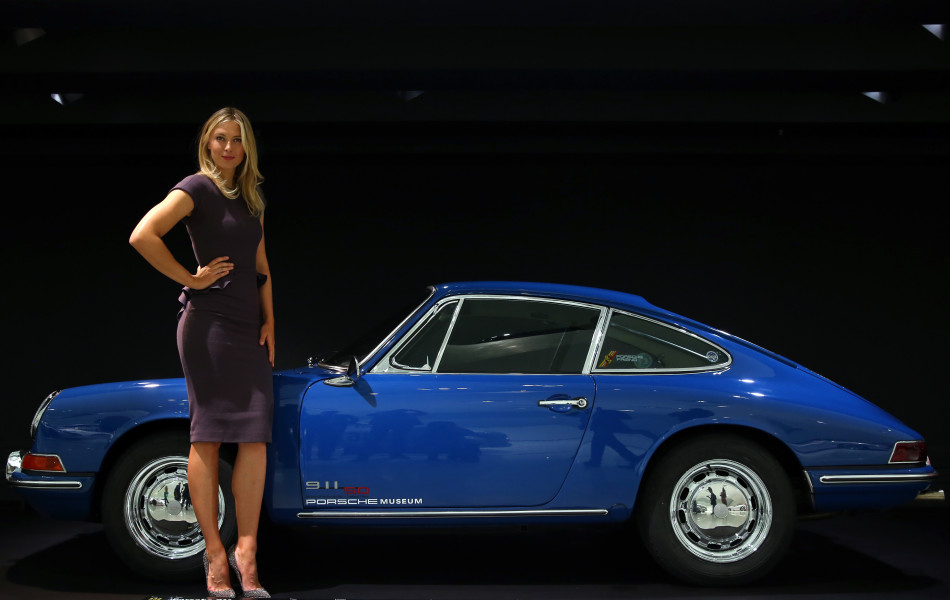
pixel 230 384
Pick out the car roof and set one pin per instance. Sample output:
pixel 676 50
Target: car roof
pixel 555 290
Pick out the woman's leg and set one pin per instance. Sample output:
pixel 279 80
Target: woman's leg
pixel 247 484
pixel 203 489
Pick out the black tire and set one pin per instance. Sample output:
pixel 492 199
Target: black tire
pixel 152 530
pixel 708 541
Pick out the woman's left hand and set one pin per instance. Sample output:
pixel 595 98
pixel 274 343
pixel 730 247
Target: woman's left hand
pixel 267 337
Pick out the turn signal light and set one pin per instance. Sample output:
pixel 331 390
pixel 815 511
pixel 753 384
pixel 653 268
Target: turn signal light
pixel 909 452
pixel 42 462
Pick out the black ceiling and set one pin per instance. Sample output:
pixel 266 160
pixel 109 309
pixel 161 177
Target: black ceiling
pixel 604 63
pixel 204 13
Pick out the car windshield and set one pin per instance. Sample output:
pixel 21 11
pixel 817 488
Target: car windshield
pixel 374 335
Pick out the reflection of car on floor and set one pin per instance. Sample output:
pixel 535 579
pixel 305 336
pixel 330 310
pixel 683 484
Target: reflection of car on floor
pixel 498 403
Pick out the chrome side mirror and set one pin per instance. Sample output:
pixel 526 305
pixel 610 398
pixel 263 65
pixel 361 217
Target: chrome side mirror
pixel 352 374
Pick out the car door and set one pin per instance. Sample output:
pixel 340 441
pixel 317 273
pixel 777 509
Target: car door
pixel 483 404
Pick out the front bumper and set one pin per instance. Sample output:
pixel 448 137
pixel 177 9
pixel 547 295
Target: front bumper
pixel 59 496
pixel 16 478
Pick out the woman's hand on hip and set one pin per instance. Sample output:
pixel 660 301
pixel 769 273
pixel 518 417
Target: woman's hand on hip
pixel 205 276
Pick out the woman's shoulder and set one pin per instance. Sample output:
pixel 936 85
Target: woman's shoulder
pixel 195 183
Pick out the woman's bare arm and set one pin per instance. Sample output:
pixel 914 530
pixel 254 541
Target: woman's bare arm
pixel 147 239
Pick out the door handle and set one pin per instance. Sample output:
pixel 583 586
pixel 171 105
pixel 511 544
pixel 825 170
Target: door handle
pixel 579 402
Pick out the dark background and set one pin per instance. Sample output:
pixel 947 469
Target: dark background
pixel 720 159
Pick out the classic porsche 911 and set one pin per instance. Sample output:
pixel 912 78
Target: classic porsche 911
pixel 497 403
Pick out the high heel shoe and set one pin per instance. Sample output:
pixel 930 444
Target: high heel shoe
pixel 225 593
pixel 246 593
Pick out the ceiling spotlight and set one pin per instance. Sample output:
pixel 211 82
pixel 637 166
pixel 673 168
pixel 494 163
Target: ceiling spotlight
pixel 936 29
pixel 877 96
pixel 64 99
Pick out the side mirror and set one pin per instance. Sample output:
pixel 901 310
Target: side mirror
pixel 353 369
pixel 352 374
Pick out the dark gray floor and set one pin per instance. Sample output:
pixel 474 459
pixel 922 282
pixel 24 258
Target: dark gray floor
pixel 901 553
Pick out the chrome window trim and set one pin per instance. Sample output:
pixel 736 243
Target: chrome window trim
pixel 414 514
pixel 598 371
pixel 599 334
pixel 390 359
pixel 448 334
pixel 584 370
pixel 392 333
pixel 389 368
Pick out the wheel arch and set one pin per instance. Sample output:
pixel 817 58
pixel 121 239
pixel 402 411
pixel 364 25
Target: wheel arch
pixel 122 444
pixel 134 436
pixel 778 449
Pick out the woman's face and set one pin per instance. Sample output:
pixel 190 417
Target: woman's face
pixel 227 149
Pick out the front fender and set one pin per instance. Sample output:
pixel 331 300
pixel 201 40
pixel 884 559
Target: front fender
pixel 83 422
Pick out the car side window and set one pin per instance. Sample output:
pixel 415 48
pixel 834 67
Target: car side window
pixel 636 343
pixel 420 352
pixel 493 335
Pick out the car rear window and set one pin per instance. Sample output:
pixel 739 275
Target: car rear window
pixel 636 343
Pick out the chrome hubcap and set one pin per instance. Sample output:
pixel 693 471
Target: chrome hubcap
pixel 158 511
pixel 720 511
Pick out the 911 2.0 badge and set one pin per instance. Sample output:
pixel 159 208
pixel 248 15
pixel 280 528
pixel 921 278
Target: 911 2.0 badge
pixel 331 493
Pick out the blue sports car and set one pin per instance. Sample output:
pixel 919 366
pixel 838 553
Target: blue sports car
pixel 501 403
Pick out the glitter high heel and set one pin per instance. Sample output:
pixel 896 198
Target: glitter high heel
pixel 226 593
pixel 246 593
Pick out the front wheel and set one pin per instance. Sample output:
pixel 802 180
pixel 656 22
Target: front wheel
pixel 146 509
pixel 717 510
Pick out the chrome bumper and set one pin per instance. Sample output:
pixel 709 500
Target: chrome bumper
pixel 13 464
pixel 878 478
pixel 13 473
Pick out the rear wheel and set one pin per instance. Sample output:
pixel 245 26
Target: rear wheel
pixel 717 510
pixel 147 513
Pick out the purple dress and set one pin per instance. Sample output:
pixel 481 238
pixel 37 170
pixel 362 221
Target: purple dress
pixel 230 384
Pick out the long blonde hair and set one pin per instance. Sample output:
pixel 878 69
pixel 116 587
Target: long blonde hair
pixel 246 176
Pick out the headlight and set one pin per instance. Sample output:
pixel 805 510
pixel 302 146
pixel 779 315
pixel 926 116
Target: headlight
pixel 39 413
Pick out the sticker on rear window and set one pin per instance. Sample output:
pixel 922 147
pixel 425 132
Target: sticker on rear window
pixel 608 359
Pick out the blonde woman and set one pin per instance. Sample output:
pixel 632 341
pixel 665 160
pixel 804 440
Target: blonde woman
pixel 225 334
